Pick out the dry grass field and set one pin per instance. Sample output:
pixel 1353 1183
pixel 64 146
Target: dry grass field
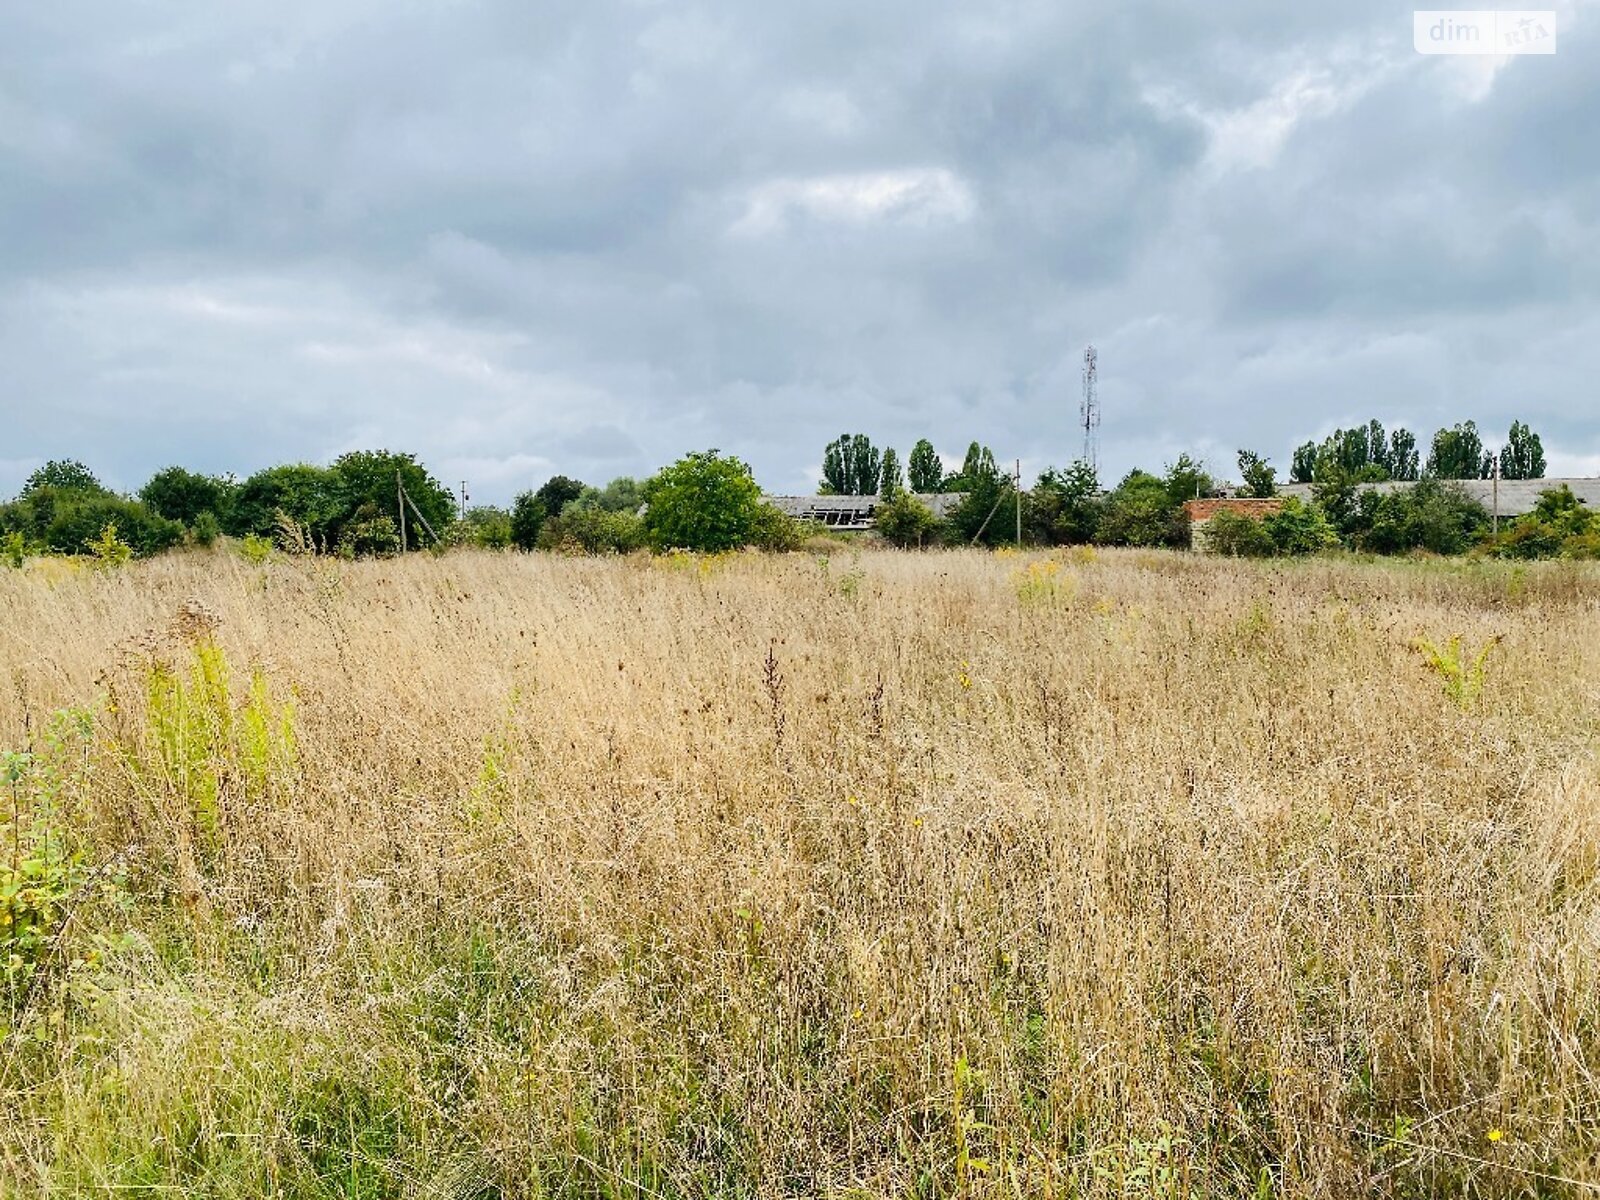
pixel 946 875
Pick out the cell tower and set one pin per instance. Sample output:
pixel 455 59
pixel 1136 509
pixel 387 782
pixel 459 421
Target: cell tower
pixel 1089 410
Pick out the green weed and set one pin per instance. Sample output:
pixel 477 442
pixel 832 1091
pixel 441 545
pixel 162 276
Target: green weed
pixel 1463 678
pixel 109 550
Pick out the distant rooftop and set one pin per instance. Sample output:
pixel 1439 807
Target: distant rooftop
pixel 854 512
pixel 1517 496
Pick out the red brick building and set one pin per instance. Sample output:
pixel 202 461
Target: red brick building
pixel 1200 513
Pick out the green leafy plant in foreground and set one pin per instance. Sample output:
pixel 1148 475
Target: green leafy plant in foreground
pixel 1463 678
pixel 200 744
pixel 108 549
pixel 43 868
pixel 13 549
pixel 255 549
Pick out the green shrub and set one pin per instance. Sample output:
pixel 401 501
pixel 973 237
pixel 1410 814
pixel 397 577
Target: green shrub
pixel 986 514
pixel 255 549
pixel 906 521
pixel 1140 511
pixel 1064 506
pixel 588 529
pixel 82 520
pixel 108 549
pixel 206 529
pixel 39 874
pixel 44 871
pixel 1560 526
pixel 483 526
pixel 1431 515
pixel 1299 528
pixel 1238 536
pixel 369 535
pixel 776 531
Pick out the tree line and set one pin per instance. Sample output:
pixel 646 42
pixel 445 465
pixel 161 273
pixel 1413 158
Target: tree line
pixel 710 501
pixel 352 508
pixel 1370 455
pixel 1145 508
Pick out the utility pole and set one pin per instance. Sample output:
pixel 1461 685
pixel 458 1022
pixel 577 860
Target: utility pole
pixel 400 501
pixel 1497 492
pixel 463 514
pixel 1017 481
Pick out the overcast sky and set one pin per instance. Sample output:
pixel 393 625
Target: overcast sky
pixel 525 236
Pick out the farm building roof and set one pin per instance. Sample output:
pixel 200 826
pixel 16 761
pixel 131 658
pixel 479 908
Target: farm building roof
pixel 854 512
pixel 1517 496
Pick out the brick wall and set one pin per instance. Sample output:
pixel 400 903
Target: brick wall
pixel 1200 513
pixel 1203 510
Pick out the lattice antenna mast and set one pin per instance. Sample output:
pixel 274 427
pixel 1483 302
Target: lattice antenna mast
pixel 1089 409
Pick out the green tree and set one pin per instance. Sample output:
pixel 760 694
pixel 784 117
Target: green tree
pixel 987 512
pixel 1187 479
pixel 484 525
pixel 557 492
pixel 865 464
pixel 850 466
pixel 1377 447
pixel 1140 511
pixel 309 495
pixel 64 475
pixel 622 494
pixel 1458 453
pixel 1363 452
pixel 1260 477
pixel 924 470
pixel 891 482
pixel 365 486
pixel 1303 466
pixel 181 495
pixel 528 515
pixel 1404 462
pixel 704 501
pixel 836 468
pixel 1337 493
pixel 1523 456
pixel 1064 506
pixel 978 471
pixel 906 521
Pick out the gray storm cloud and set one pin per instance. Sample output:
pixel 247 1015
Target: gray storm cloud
pixel 520 239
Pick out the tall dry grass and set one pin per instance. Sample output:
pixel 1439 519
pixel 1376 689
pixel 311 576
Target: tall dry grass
pixel 937 875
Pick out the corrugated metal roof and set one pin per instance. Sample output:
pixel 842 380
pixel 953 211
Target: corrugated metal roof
pixel 854 512
pixel 1517 496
